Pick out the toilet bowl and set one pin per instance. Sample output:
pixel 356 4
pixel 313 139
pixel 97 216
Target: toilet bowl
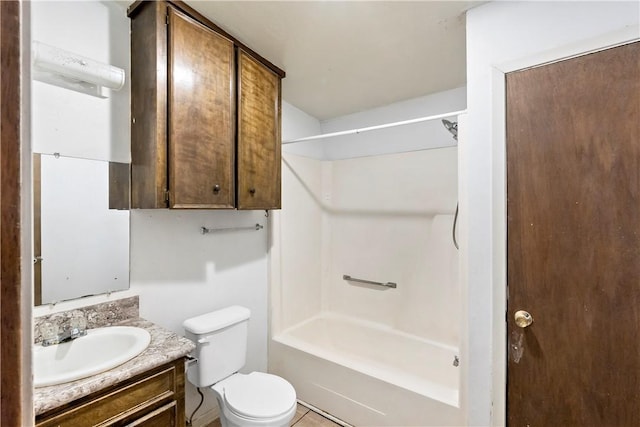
pixel 245 400
pixel 255 399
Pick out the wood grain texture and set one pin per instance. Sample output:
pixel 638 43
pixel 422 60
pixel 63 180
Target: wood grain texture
pixel 185 116
pixel 119 185
pixel 149 106
pixel 573 174
pixel 259 143
pixel 161 417
pixel 201 115
pixel 11 328
pixel 188 10
pixel 144 400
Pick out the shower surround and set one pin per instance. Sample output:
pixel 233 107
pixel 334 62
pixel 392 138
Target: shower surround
pixel 368 354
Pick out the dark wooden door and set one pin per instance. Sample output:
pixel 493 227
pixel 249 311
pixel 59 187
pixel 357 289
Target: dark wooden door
pixel 201 115
pixel 573 189
pixel 259 145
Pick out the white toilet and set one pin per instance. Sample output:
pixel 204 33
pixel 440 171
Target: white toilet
pixel 255 399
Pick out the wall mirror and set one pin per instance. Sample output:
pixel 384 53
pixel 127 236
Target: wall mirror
pixel 81 227
pixel 81 144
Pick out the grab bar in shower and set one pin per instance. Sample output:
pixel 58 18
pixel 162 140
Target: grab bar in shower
pixel 369 282
pixel 205 230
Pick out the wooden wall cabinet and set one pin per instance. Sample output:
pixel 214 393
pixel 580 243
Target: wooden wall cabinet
pixel 259 151
pixel 153 399
pixel 205 114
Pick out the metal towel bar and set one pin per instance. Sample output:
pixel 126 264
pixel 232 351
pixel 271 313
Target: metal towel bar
pixel 369 282
pixel 206 230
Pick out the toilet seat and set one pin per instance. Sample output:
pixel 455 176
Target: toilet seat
pixel 258 395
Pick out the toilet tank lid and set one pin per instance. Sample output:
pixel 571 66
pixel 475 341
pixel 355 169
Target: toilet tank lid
pixel 216 320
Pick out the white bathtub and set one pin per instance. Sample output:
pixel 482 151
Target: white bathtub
pixel 368 374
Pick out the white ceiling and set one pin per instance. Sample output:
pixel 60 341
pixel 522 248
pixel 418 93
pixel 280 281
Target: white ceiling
pixel 343 57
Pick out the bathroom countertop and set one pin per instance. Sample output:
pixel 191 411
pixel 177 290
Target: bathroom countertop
pixel 165 346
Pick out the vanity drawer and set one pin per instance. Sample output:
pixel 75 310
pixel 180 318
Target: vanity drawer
pixel 147 400
pixel 161 417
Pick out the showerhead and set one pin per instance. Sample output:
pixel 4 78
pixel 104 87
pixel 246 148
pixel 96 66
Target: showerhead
pixel 451 127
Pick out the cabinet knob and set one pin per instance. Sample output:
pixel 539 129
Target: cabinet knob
pixel 216 189
pixel 252 191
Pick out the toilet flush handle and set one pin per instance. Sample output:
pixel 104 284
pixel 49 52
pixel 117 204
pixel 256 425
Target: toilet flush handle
pixel 204 340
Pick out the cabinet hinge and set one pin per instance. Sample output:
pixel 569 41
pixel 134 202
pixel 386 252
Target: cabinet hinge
pixel 166 196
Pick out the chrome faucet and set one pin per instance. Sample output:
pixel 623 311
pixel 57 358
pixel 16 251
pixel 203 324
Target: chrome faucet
pixel 51 335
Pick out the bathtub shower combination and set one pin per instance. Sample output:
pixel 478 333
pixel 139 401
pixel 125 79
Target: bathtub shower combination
pixel 365 296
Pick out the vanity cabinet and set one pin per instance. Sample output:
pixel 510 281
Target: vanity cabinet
pixel 153 399
pixel 205 114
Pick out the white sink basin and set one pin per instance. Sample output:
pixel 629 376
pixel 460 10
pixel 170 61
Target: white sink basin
pixel 100 350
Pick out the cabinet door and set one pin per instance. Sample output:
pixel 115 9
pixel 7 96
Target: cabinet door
pixel 259 145
pixel 149 106
pixel 201 115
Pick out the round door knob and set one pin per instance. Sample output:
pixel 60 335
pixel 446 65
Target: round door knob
pixel 252 191
pixel 523 318
pixel 216 189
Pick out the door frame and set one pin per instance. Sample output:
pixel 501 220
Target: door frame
pixel 499 193
pixel 15 207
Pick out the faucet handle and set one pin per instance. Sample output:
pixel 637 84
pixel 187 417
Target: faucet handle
pixel 50 333
pixel 78 326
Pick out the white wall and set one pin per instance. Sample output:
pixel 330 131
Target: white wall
pixel 296 256
pixel 385 218
pixel 397 139
pixel 300 205
pixel 71 123
pixel 390 219
pixel 180 273
pixel 382 217
pixel 298 124
pixel 502 37
pixel 78 125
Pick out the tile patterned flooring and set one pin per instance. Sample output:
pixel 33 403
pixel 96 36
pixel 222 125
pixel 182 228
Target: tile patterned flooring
pixel 303 418
pixel 306 418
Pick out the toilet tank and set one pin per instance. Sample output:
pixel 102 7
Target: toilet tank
pixel 221 344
